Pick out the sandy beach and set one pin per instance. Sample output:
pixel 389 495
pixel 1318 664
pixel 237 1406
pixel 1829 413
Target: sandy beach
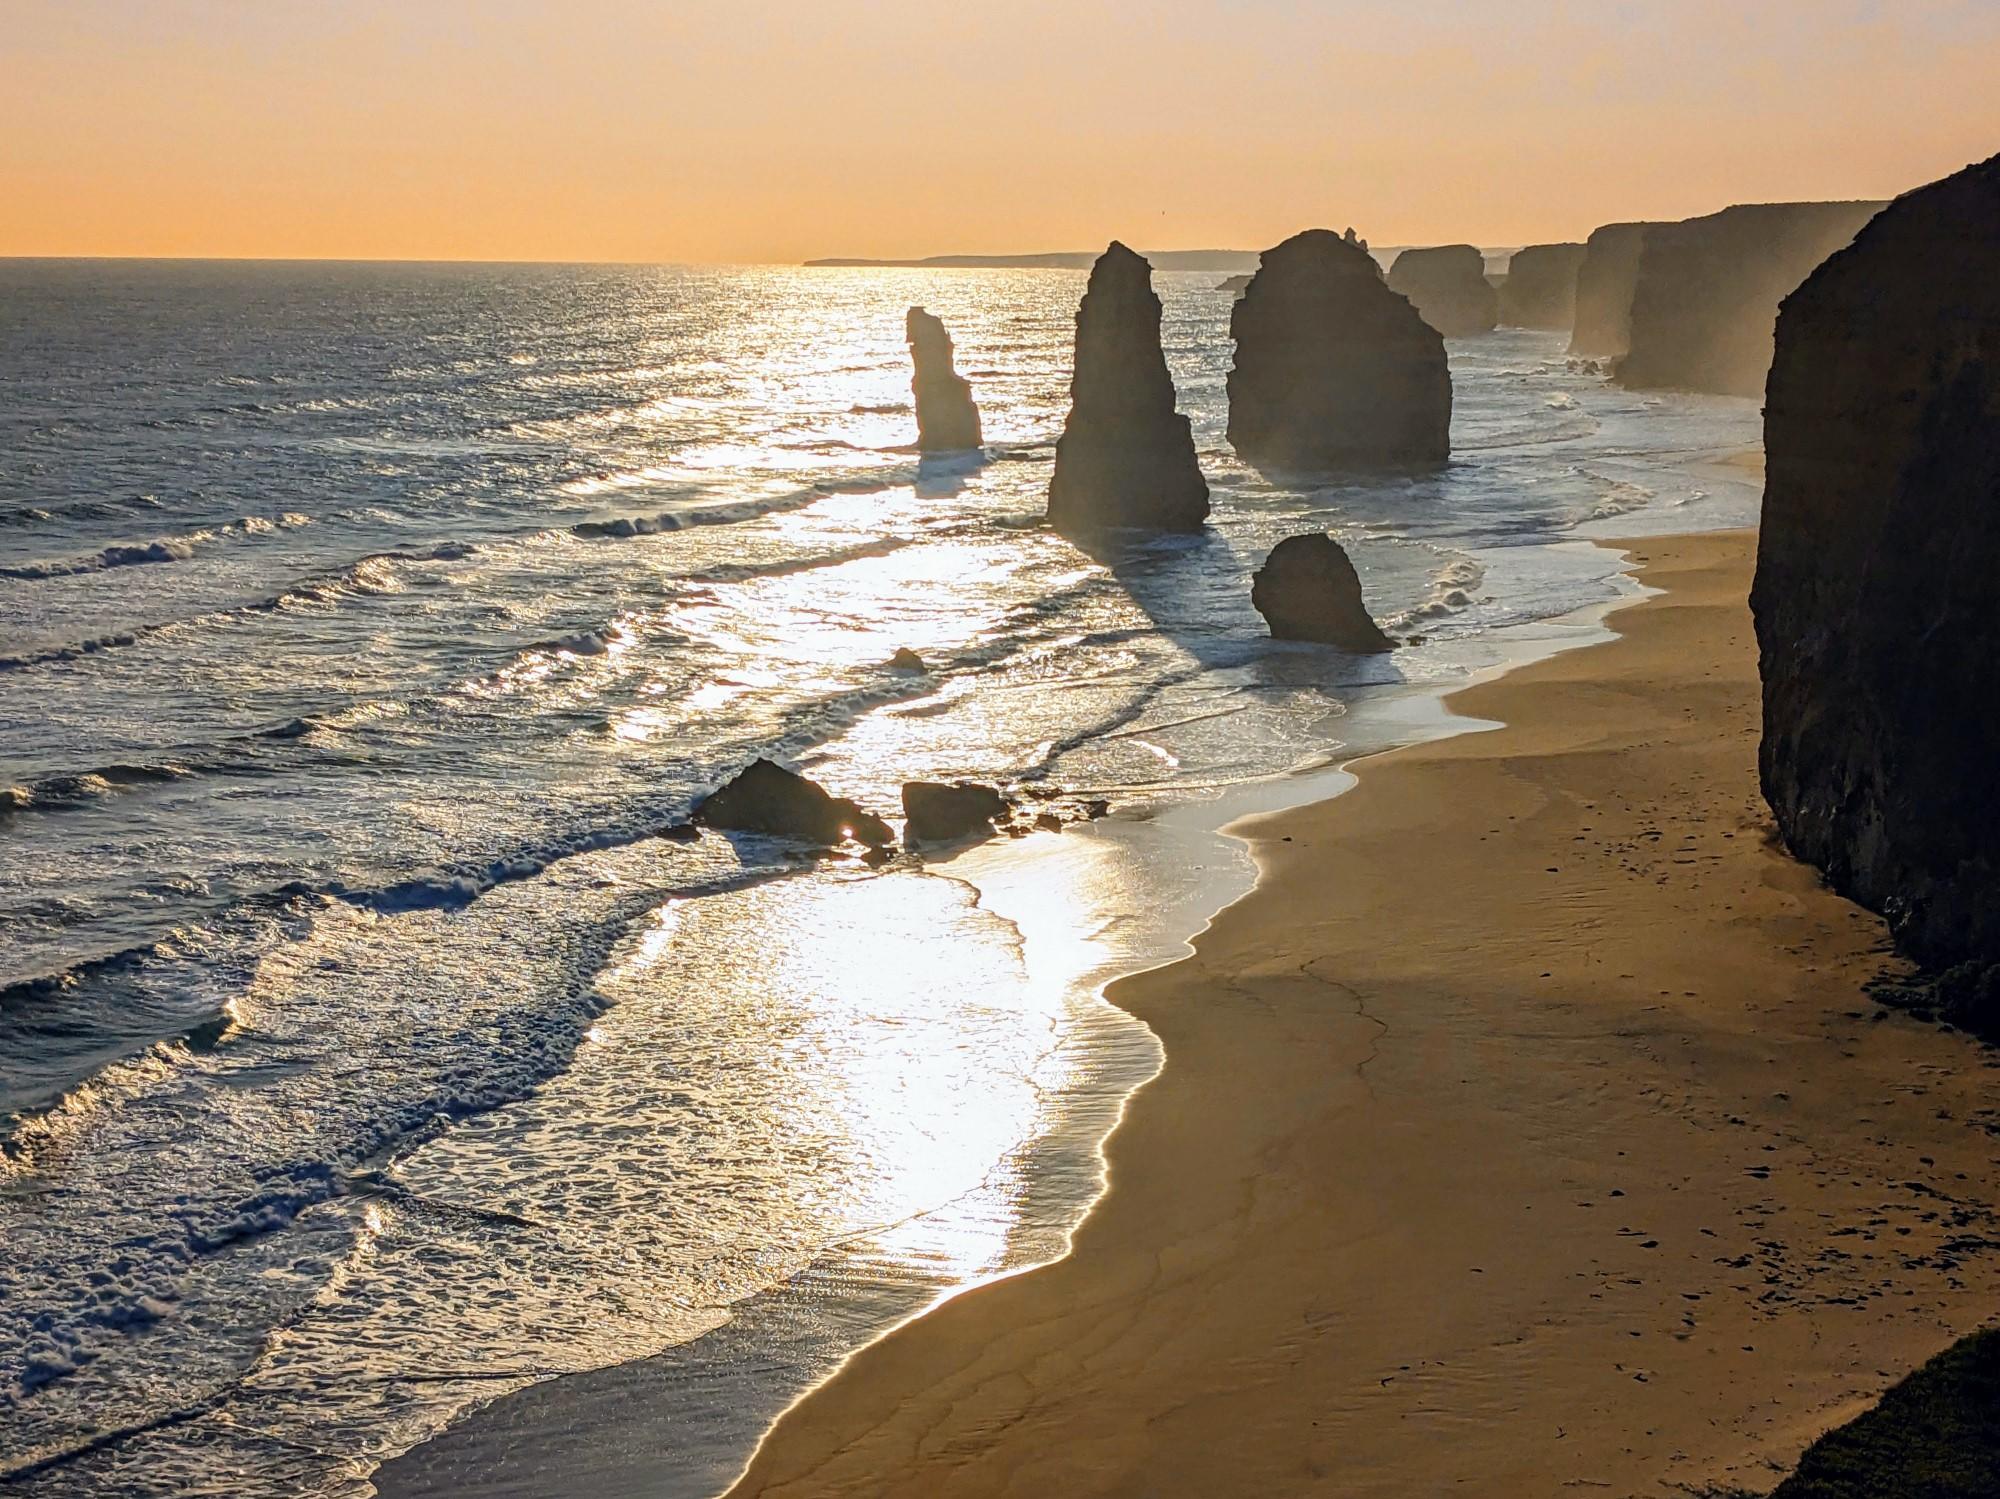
pixel 1526 1131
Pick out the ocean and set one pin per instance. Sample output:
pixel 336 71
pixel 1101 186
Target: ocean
pixel 375 1052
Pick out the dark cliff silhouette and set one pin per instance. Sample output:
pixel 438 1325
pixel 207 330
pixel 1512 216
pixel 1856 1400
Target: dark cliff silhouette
pixel 1878 637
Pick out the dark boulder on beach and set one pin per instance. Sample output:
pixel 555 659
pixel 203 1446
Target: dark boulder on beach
pixel 767 798
pixel 1603 324
pixel 1707 292
pixel 1307 589
pixel 1878 639
pixel 1334 370
pixel 947 419
pixel 1447 285
pixel 1540 289
pixel 935 812
pixel 1126 456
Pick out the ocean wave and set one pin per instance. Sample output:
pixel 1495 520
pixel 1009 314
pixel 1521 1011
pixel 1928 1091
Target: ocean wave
pixel 624 526
pixel 161 549
pixel 1453 590
pixel 66 792
pixel 370 575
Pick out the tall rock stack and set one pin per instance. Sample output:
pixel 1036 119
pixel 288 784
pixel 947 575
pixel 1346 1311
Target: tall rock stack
pixel 1126 456
pixel 1447 285
pixel 1604 282
pixel 1540 289
pixel 1334 370
pixel 1708 289
pixel 1874 598
pixel 947 419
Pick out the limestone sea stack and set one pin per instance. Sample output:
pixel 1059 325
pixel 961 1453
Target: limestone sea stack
pixel 1540 289
pixel 1126 456
pixel 1603 325
pixel 1334 370
pixel 1447 285
pixel 947 419
pixel 1878 637
pixel 1708 289
pixel 1307 589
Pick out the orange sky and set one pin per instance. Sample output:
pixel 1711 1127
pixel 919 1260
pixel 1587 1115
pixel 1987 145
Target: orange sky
pixel 778 129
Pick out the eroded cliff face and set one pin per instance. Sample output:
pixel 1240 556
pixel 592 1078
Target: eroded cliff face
pixel 1878 635
pixel 947 419
pixel 1334 370
pixel 1540 289
pixel 1447 285
pixel 1126 456
pixel 1604 283
pixel 1708 289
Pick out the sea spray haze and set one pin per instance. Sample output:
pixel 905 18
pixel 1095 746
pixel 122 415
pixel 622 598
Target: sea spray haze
pixel 364 1051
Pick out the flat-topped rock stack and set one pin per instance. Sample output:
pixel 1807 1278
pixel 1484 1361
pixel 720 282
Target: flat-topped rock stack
pixel 1880 542
pixel 1333 369
pixel 1540 289
pixel 947 418
pixel 1602 328
pixel 1447 285
pixel 1126 457
pixel 1707 292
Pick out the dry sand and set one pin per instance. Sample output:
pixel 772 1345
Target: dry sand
pixel 1525 1132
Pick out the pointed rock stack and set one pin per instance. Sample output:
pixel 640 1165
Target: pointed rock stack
pixel 947 419
pixel 1126 457
pixel 1878 637
pixel 1334 370
pixel 1307 589
pixel 1447 285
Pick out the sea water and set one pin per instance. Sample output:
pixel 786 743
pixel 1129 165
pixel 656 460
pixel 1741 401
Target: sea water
pixel 370 1061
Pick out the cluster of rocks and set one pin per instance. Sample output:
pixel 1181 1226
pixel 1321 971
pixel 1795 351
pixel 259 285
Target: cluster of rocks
pixel 767 799
pixel 1878 641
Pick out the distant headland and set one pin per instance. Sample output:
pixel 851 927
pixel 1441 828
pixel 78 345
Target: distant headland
pixel 1223 262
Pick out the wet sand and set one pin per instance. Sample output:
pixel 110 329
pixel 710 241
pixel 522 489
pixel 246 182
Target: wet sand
pixel 1525 1131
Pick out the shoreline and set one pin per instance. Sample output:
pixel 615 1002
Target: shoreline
pixel 1112 901
pixel 1562 1153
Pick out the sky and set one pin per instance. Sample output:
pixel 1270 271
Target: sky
pixel 776 130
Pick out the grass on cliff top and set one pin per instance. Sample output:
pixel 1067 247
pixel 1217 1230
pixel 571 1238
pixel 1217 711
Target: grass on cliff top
pixel 1934 1436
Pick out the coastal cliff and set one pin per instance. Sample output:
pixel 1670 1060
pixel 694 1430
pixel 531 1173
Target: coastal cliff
pixel 947 418
pixel 1880 542
pixel 1332 368
pixel 1540 289
pixel 1126 456
pixel 1707 292
pixel 1447 285
pixel 1604 280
